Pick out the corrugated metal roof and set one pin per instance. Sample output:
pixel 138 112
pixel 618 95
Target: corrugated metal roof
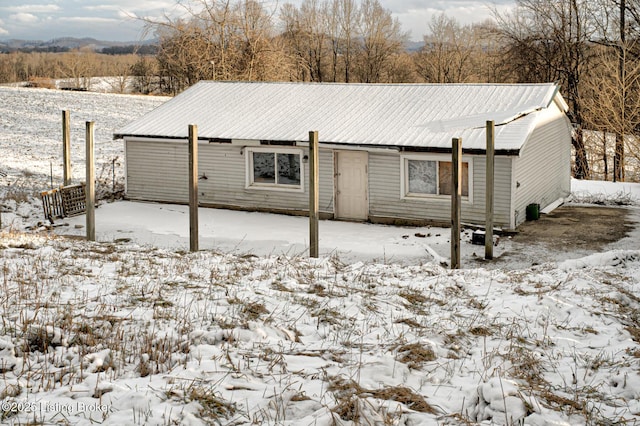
pixel 409 115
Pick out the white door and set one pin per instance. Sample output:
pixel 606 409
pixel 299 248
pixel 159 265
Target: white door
pixel 352 201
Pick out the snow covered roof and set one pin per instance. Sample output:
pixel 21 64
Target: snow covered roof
pixel 405 115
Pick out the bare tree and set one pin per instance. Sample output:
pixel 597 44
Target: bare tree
pixel 548 40
pixel 613 105
pixel 401 68
pixel 332 28
pixel 295 41
pixel 447 54
pixel 348 16
pixel 306 37
pixel 322 35
pixel 8 68
pixel 184 56
pixel 78 66
pixel 381 37
pixel 221 40
pixel 255 41
pixel 620 35
pixel 312 24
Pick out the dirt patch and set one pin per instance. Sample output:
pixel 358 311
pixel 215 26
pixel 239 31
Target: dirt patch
pixel 577 227
pixel 568 231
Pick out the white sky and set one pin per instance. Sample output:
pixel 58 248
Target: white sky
pixel 115 19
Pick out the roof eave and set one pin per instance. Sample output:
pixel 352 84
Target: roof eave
pixel 131 135
pixel 559 100
pixel 513 152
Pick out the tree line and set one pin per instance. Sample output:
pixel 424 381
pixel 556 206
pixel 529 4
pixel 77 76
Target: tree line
pixel 589 46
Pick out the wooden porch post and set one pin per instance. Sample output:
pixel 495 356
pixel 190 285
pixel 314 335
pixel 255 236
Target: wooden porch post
pixel 193 187
pixel 313 193
pixel 456 199
pixel 91 184
pixel 66 149
pixel 489 179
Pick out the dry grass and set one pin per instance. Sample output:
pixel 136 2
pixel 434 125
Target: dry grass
pixel 415 355
pixel 299 335
pixel 351 398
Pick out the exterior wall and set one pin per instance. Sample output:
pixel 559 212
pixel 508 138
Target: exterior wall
pixel 385 200
pixel 147 171
pixel 503 167
pixel 158 171
pixel 543 169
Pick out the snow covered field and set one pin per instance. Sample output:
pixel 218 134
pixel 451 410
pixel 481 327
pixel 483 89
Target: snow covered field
pixel 250 331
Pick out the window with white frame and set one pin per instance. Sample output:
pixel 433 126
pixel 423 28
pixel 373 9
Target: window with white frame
pixel 274 168
pixel 429 176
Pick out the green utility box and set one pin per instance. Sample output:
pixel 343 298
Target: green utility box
pixel 533 211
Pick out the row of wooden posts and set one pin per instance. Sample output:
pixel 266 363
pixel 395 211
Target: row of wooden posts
pixel 90 186
pixel 456 197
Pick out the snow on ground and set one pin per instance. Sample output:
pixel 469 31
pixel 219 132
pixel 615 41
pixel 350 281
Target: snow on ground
pixel 136 330
pixel 602 192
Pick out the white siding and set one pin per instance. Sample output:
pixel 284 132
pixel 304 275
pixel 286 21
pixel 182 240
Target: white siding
pixel 157 171
pixel 386 202
pixel 501 194
pixel 543 169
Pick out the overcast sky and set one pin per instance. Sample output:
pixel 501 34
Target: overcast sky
pixel 114 20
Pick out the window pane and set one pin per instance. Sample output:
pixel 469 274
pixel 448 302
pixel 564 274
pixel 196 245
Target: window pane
pixel 444 175
pixel 288 169
pixel 422 176
pixel 264 167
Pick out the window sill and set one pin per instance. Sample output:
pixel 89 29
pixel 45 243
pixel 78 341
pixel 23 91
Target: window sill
pixel 441 198
pixel 278 188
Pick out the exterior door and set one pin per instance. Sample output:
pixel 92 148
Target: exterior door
pixel 352 199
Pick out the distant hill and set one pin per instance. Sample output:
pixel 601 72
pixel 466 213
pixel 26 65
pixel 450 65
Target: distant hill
pixel 64 44
pixel 413 46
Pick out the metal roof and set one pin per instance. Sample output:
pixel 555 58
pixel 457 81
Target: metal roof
pixel 405 115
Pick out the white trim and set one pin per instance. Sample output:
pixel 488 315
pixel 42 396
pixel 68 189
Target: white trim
pixel 512 202
pixel 164 140
pixel 126 168
pixel 245 142
pixel 251 185
pixel 159 140
pixel 404 176
pixel 346 147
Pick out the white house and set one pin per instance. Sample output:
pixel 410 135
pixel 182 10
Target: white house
pixel 385 149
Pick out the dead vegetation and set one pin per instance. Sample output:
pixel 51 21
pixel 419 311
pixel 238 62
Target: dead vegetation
pixel 251 339
pixel 352 401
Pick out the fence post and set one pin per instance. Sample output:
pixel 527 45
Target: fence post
pixel 193 187
pixel 489 179
pixel 456 199
pixel 66 149
pixel 313 193
pixel 91 184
